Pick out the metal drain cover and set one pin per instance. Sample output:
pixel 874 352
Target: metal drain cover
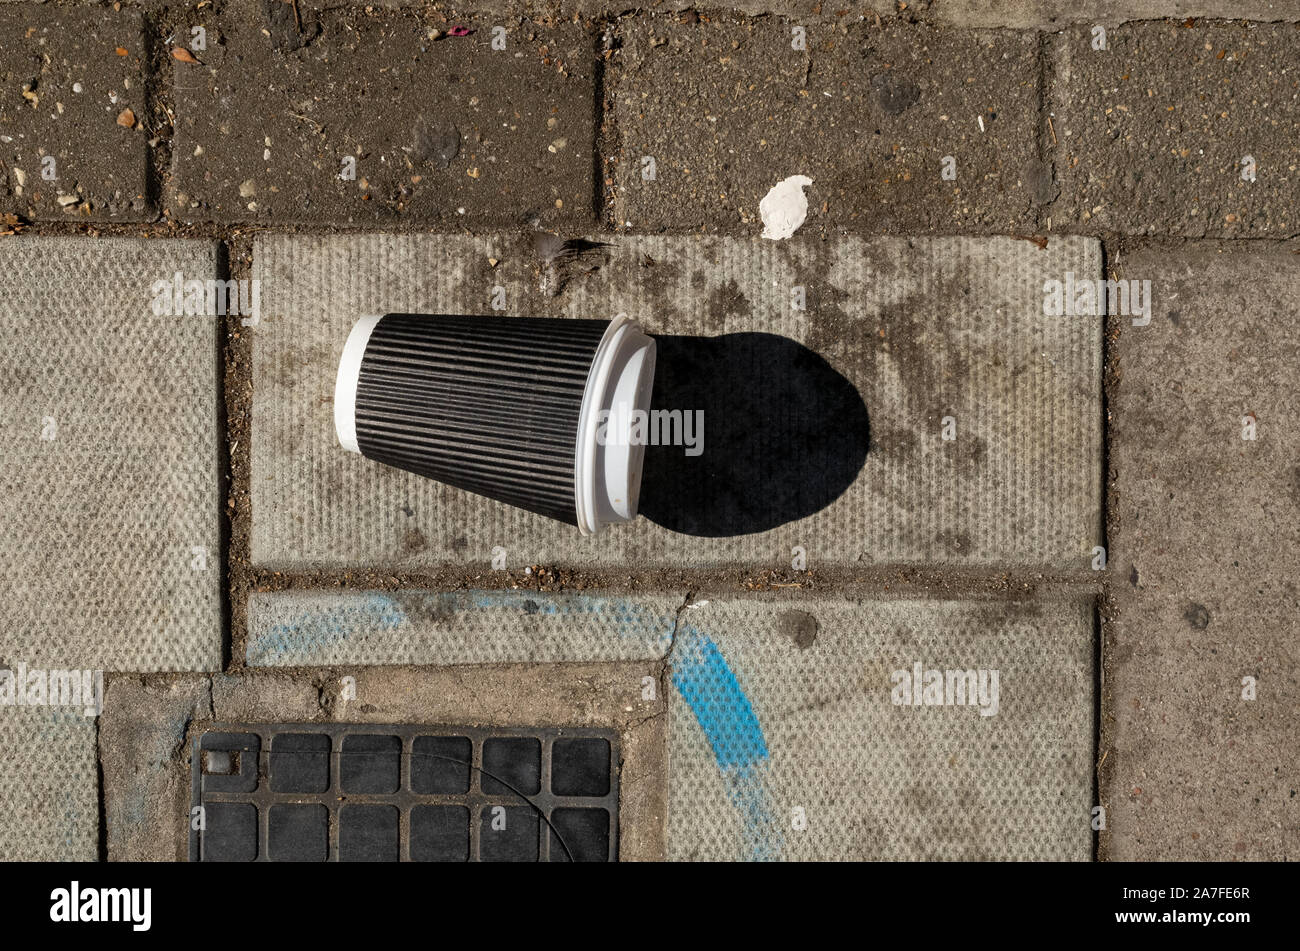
pixel 321 792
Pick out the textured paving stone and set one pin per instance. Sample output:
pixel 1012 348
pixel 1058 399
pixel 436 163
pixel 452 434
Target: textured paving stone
pixel 1151 133
pixel 66 78
pixel 726 110
pixel 309 628
pixel 785 740
pixel 1046 14
pixel 897 335
pixel 448 130
pixel 109 527
pixel 1028 14
pixel 48 785
pixel 1206 556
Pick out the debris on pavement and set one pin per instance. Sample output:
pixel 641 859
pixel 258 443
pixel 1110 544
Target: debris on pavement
pixel 785 207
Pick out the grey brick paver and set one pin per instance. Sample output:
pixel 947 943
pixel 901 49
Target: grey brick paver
pixel 727 110
pixel 1206 562
pixel 68 76
pixel 1153 133
pixel 447 130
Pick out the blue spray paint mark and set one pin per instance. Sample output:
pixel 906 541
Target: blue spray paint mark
pixel 724 713
pixel 307 634
pixel 314 630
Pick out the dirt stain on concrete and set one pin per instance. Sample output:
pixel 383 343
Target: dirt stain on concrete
pixel 726 300
pixel 799 626
pixel 1197 616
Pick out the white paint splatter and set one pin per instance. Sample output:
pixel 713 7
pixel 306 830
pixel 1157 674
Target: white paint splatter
pixel 785 207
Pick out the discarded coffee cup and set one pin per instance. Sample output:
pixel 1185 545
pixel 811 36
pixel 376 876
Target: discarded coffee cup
pixel 532 411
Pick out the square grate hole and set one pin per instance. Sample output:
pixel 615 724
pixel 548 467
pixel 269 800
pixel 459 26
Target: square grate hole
pixel 356 792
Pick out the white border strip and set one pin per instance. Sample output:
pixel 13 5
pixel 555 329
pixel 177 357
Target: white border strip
pixel 345 385
pixel 584 462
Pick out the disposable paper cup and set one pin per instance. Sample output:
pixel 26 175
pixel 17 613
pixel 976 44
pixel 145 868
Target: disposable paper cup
pixel 532 411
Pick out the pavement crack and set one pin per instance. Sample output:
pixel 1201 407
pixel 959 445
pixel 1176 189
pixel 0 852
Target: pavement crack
pixel 641 721
pixel 677 620
pixel 665 662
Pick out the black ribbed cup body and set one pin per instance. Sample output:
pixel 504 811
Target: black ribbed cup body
pixel 487 404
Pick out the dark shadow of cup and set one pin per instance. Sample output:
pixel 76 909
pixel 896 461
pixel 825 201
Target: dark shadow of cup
pixel 784 435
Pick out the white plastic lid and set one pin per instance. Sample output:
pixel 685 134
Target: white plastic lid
pixel 345 384
pixel 607 464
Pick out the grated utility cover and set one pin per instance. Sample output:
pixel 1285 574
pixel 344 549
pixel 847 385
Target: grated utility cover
pixel 328 792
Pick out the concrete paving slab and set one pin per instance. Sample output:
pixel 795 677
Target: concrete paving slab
pixel 288 126
pixel 871 113
pixel 793 735
pixel 904 339
pixel 1049 14
pixel 141 736
pixel 74 119
pixel 1178 130
pixel 1026 14
pixel 49 785
pixel 313 628
pixel 109 522
pixel 1206 553
pixel 144 719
